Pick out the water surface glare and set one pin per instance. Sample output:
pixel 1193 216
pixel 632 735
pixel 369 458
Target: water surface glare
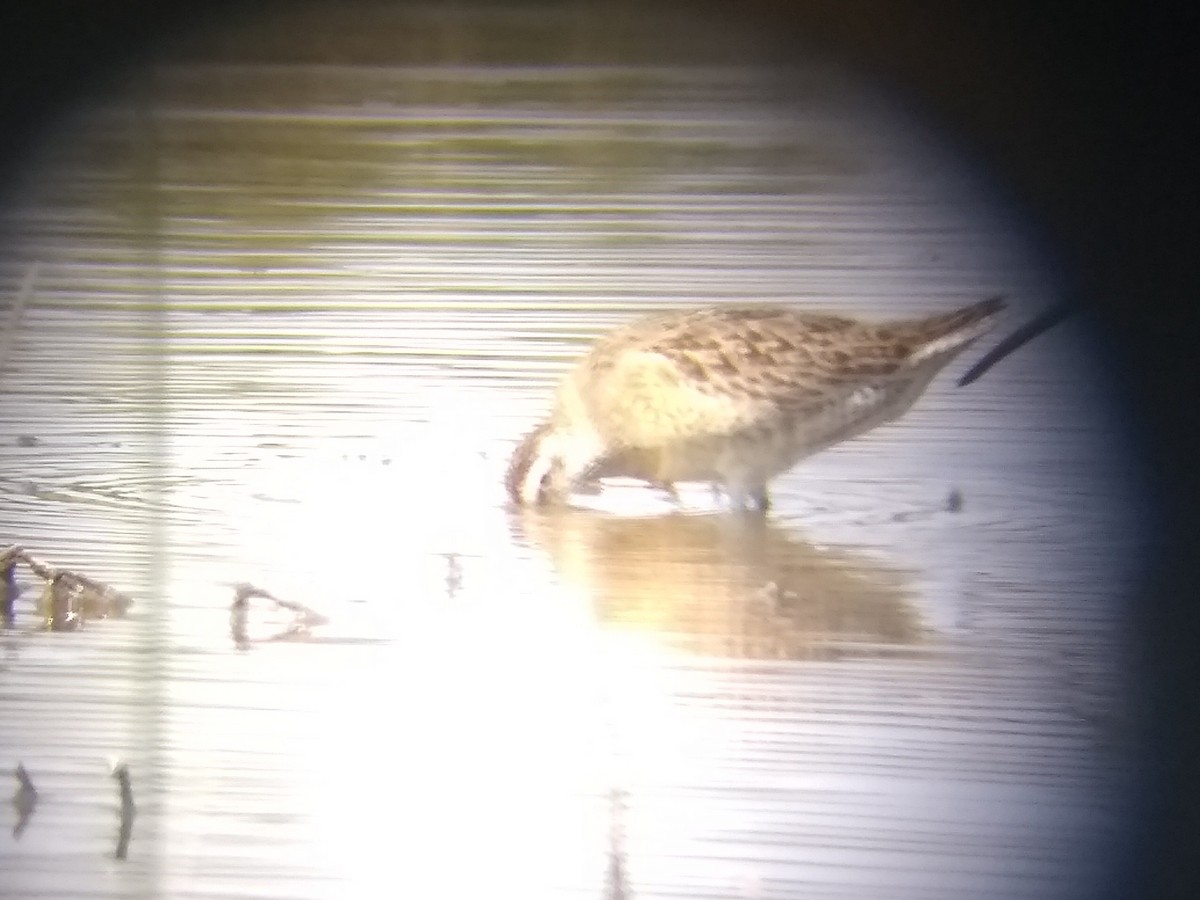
pixel 288 324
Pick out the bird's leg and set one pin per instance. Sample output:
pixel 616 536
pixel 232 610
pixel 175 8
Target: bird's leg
pixel 746 497
pixel 668 488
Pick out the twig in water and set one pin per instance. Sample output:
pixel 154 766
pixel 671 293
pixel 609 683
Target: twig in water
pixel 128 810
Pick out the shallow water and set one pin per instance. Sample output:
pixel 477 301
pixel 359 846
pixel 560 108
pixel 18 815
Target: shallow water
pixel 289 322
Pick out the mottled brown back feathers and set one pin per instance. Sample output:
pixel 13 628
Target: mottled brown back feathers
pixel 791 358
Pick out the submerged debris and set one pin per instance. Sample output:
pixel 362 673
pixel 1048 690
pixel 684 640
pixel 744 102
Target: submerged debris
pixel 303 619
pixel 9 591
pixel 618 878
pixel 25 800
pixel 26 783
pixel 453 575
pixel 120 771
pixel 69 598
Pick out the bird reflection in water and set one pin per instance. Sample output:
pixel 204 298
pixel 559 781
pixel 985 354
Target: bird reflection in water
pixel 738 587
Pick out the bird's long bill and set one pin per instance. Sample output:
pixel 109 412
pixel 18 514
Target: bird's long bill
pixel 1021 336
pixel 520 464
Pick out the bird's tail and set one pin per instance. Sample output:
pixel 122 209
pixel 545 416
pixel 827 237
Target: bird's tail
pixel 951 332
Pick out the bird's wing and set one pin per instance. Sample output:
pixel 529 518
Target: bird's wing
pixel 729 368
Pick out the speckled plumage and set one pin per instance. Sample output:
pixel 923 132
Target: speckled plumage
pixel 733 395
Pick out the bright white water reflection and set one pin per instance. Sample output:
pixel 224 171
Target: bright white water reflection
pixel 289 323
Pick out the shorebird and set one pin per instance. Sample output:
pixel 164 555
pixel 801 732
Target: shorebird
pixel 732 395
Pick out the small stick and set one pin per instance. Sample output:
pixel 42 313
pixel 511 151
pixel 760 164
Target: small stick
pixel 25 781
pixel 120 772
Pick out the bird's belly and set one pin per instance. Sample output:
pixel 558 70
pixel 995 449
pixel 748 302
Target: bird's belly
pixel 693 459
pixel 771 446
pixel 863 409
pixel 716 459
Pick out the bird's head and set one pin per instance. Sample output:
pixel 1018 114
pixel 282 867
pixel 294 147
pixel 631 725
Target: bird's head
pixel 549 463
